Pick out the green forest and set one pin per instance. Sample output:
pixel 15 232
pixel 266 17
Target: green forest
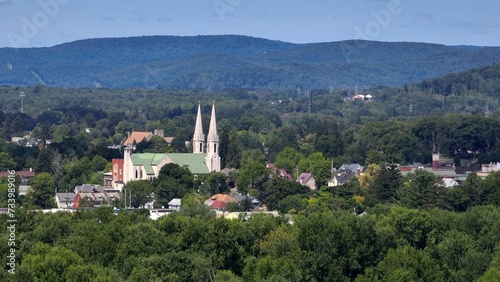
pixel 379 226
pixel 234 62
pixel 389 243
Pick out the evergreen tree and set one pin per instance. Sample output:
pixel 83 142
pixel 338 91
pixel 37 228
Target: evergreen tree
pixel 44 161
pixel 386 181
pixel 422 190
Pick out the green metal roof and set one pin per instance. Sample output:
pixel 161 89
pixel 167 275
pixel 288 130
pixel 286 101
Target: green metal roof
pixel 147 160
pixel 195 162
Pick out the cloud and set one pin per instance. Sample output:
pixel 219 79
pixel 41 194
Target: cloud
pixel 107 19
pixel 5 2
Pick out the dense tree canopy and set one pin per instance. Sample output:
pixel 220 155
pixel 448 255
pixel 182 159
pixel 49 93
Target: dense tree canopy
pixel 386 244
pixel 359 231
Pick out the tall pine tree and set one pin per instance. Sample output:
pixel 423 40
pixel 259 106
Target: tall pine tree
pixel 386 182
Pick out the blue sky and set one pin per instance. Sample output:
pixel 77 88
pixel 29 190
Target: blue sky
pixel 40 23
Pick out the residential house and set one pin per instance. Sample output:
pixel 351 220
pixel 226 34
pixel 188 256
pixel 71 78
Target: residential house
pixel 341 178
pixel 281 172
pixel 65 200
pixel 252 201
pixel 486 169
pixel 154 214
pixel 356 168
pixel 108 179
pixel 175 204
pixel 219 206
pixel 220 197
pixel 97 195
pixel 27 141
pixel 25 175
pixel 307 179
pixel 344 174
pixel 333 181
pixel 449 182
pixel 89 188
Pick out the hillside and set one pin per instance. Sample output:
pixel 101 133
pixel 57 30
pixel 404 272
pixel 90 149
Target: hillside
pixel 485 80
pixel 222 62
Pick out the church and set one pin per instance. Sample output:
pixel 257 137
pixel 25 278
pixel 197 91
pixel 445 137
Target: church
pixel 203 160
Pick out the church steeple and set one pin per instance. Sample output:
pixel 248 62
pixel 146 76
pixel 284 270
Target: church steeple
pixel 213 160
pixel 212 130
pixel 198 136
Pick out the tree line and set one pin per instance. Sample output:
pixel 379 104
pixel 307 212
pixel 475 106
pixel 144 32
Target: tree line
pixel 387 243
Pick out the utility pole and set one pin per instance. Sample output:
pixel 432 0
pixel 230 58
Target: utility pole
pixel 22 101
pixel 310 101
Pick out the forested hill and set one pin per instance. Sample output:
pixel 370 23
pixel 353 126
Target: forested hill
pixel 484 80
pixel 229 61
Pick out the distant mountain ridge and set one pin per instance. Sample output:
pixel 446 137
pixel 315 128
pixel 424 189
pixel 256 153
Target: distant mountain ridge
pixel 231 61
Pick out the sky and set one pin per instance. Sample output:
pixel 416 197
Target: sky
pixel 44 23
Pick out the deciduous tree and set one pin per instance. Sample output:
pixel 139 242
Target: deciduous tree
pixel 42 192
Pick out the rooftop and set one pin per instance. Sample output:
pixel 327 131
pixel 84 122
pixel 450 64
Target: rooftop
pixel 195 162
pixel 137 136
pixel 22 173
pixel 175 202
pixel 148 160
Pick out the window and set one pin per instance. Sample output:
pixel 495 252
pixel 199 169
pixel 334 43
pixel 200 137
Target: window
pixel 215 148
pixel 116 168
pixel 201 147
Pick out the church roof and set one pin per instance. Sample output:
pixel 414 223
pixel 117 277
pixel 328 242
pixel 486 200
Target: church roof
pixel 195 162
pixel 147 160
pixel 137 136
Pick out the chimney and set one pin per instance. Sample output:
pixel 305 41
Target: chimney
pixel 128 134
pixel 159 132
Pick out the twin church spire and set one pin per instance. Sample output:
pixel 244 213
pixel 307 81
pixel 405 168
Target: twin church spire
pixel 212 160
pixel 198 137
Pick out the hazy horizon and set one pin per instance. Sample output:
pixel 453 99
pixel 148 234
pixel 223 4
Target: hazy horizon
pixel 46 23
